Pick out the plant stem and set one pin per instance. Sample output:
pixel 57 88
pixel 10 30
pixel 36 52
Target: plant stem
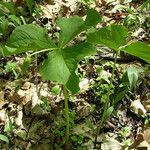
pixel 66 97
pixel 36 72
pixel 23 20
pixel 43 50
pixel 107 102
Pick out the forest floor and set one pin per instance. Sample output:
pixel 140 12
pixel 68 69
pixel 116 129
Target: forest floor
pixel 32 110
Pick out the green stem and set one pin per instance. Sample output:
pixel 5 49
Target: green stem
pixel 107 102
pixel 23 20
pixel 66 97
pixel 43 50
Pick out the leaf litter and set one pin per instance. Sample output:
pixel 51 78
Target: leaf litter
pixel 33 111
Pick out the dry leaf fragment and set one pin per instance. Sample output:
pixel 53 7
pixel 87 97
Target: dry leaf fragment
pixel 137 107
pixel 146 104
pixel 16 98
pixel 111 144
pixel 84 85
pixel 147 135
pixel 26 86
pixel 143 146
pixel 2 117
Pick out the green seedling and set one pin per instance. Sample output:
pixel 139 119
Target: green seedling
pixel 124 135
pixel 56 90
pixel 125 132
pixel 11 67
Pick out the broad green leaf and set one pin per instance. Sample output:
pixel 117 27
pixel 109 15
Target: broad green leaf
pixel 112 36
pixel 71 27
pixel 55 68
pixel 61 65
pixel 26 38
pixel 92 19
pixel 138 49
pixel 4 138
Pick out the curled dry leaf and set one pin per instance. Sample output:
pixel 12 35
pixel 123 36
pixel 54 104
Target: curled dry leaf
pixel 137 107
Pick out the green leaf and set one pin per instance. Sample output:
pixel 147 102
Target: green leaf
pixel 92 19
pixel 3 25
pixel 71 27
pixel 22 134
pixel 26 64
pixel 1 52
pixel 132 73
pixel 8 126
pixel 120 95
pixel 108 113
pixel 4 138
pixel 61 65
pixel 73 83
pixel 16 20
pixel 26 38
pixel 6 51
pixel 55 68
pixel 112 36
pixel 138 49
pixel 145 4
pixel 30 4
pixel 56 90
pixel 8 7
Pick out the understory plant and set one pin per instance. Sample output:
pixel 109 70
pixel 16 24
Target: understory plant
pixel 115 37
pixel 62 61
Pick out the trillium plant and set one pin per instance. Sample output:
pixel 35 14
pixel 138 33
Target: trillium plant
pixel 62 61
